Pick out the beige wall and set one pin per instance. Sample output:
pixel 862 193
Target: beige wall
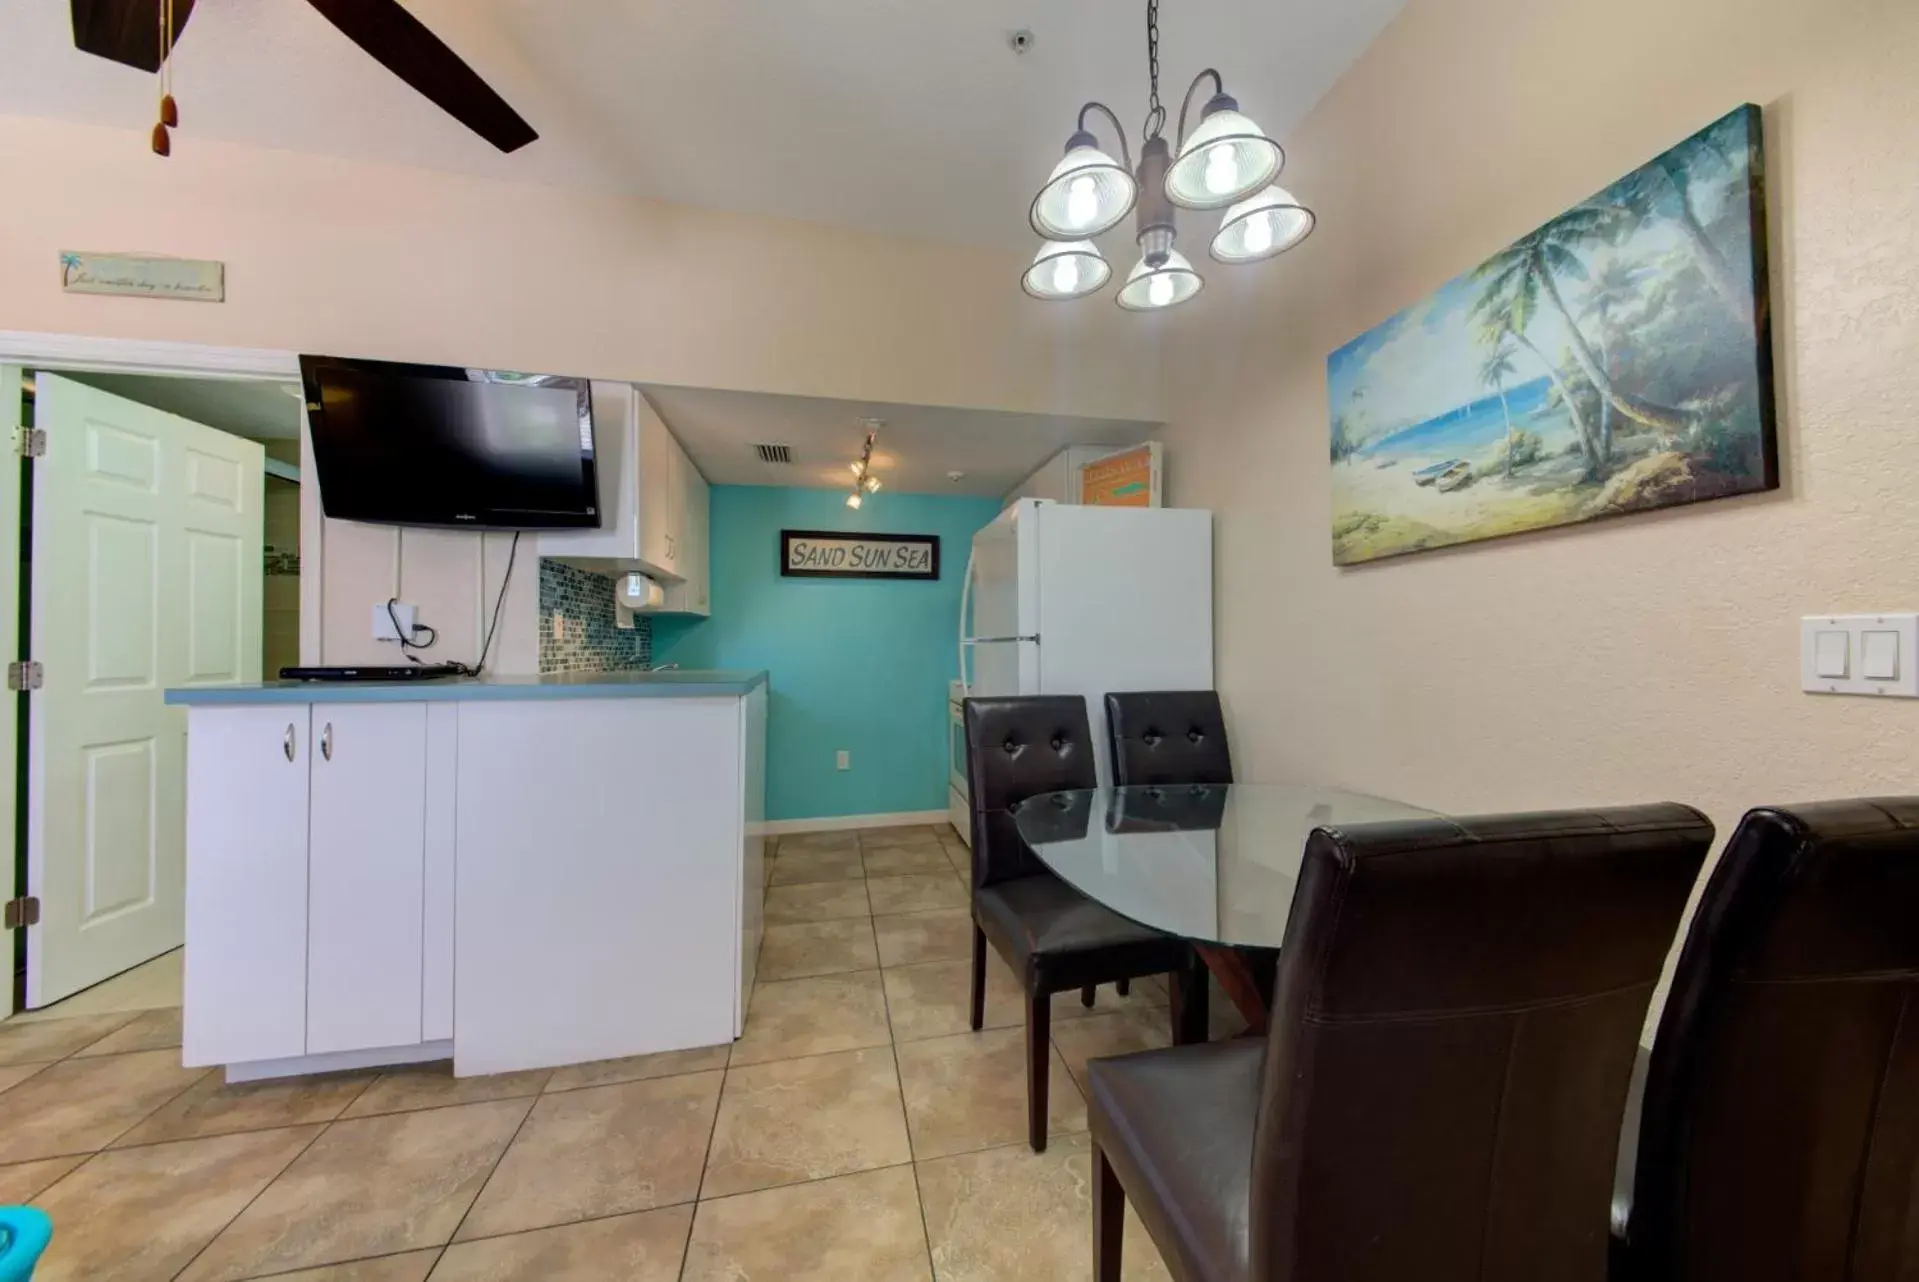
pixel 359 259
pixel 1651 657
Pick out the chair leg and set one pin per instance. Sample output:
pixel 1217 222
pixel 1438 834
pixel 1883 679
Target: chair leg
pixel 979 977
pixel 1109 1218
pixel 1186 987
pixel 1124 988
pixel 1086 995
pixel 1039 1045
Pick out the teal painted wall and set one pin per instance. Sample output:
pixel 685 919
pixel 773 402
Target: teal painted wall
pixel 859 664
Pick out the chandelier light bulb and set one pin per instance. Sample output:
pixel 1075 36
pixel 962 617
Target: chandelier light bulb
pixel 1259 233
pixel 1082 203
pixel 1221 175
pixel 853 500
pixel 1159 290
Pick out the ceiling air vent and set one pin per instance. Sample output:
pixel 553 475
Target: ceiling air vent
pixel 771 453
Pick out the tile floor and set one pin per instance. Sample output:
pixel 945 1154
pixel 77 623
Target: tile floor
pixel 859 1130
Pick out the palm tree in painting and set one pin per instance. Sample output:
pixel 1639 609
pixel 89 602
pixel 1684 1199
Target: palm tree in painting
pixel 1666 184
pixel 1504 311
pixel 1493 372
pixel 1530 266
pixel 1613 289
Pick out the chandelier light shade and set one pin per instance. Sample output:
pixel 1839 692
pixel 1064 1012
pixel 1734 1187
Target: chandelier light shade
pixel 1224 160
pixel 1088 192
pixel 1261 226
pixel 1065 270
pixel 1151 288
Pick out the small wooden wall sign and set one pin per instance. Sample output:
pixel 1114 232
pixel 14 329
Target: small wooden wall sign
pixel 835 554
pixel 135 276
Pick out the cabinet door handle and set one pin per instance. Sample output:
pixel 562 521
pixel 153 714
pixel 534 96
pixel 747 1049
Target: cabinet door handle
pixel 286 744
pixel 326 741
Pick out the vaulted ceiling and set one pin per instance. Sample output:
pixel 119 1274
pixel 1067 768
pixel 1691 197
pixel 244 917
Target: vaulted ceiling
pixel 904 117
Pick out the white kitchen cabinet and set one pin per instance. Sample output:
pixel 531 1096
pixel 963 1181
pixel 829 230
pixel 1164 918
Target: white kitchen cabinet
pixel 366 848
pixel 659 490
pixel 515 878
pixel 246 974
pixel 320 880
pixel 691 595
pixel 652 500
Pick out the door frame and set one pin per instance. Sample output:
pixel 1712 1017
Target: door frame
pixel 33 350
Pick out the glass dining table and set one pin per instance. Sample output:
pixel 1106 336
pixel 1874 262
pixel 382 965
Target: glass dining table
pixel 1214 864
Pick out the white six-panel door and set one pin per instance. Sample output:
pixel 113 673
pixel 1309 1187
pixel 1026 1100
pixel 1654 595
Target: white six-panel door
pixel 146 568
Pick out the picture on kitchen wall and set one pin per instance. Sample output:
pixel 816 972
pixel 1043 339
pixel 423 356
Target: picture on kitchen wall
pixel 1617 359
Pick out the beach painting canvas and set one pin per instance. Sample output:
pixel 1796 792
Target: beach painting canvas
pixel 1617 359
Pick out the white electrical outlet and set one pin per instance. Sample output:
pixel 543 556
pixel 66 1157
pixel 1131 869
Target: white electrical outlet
pixel 383 629
pixel 559 626
pixel 842 760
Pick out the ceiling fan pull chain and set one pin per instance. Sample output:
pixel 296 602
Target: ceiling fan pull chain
pixel 169 110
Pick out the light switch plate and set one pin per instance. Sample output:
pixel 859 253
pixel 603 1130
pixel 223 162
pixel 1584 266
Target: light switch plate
pixel 1880 654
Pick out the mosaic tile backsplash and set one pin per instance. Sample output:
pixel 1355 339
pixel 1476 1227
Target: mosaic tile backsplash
pixel 593 643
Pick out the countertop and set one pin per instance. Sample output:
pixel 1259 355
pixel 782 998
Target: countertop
pixel 676 684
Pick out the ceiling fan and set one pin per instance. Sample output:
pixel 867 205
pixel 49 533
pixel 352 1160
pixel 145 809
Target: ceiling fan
pixel 128 32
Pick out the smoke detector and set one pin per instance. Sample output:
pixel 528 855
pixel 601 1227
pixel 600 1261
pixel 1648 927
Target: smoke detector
pixel 956 477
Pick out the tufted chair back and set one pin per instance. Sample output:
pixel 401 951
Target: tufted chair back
pixel 1168 736
pixel 1019 747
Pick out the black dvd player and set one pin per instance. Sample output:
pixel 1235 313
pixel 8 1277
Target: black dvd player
pixel 375 672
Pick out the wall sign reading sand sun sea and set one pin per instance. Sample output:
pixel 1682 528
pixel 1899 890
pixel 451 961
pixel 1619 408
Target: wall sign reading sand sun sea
pixel 1618 359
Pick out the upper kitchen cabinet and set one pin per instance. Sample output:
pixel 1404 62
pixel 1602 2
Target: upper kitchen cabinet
pixel 689 596
pixel 652 502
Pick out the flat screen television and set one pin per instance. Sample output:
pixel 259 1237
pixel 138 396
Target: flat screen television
pixel 442 445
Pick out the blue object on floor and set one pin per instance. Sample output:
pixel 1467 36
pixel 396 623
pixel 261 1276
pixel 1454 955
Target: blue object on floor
pixel 24 1232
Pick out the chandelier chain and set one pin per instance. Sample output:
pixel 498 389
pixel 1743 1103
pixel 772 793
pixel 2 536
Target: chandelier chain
pixel 1155 114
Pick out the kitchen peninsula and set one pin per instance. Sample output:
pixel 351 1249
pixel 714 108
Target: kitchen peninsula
pixel 513 872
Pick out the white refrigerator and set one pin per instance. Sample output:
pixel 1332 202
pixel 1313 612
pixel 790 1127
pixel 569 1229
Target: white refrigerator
pixel 1070 599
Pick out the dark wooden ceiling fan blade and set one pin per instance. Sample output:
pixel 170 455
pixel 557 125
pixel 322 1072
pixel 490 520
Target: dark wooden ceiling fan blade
pixel 403 45
pixel 124 31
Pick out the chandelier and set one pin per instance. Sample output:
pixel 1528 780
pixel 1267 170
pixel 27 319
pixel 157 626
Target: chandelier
pixel 864 482
pixel 1226 162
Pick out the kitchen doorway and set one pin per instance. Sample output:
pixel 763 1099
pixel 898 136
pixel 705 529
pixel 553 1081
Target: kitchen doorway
pixel 148 566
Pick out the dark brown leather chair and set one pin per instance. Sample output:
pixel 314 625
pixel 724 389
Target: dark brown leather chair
pixel 1779 1130
pixel 1053 937
pixel 1168 736
pixel 1439 1097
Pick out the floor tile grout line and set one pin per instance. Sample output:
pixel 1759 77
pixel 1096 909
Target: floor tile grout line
pixel 358 1259
pixel 258 1194
pixel 906 1121
pixel 491 1171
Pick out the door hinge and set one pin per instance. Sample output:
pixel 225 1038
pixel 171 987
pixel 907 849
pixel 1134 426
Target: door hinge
pixel 25 674
pixel 24 911
pixel 30 442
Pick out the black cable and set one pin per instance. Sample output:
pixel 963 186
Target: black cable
pixel 486 647
pixel 433 634
pixel 408 643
